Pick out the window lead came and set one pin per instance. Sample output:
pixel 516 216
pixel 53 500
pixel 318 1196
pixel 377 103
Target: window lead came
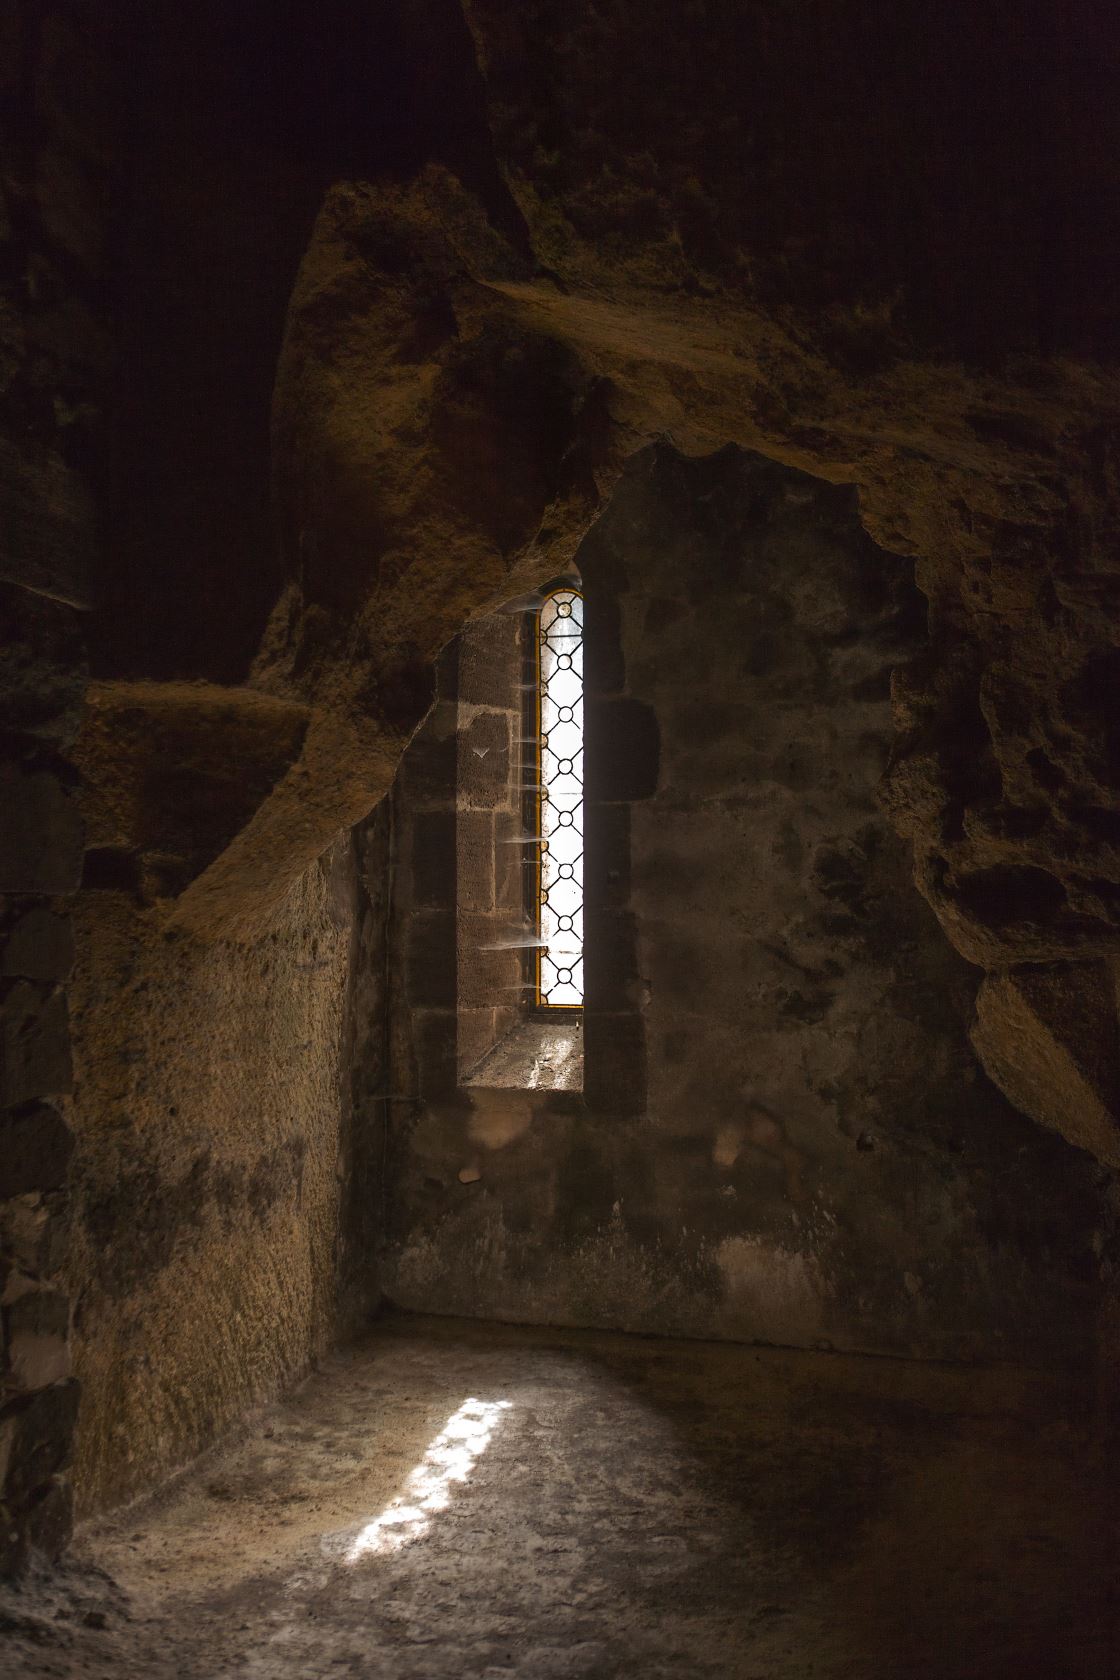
pixel 559 873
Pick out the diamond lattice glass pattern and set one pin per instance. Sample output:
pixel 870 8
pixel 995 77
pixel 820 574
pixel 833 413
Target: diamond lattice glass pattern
pixel 560 877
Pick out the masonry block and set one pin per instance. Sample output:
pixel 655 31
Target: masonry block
pixel 37 1329
pixel 433 859
pixel 512 865
pixel 490 967
pixel 471 867
pixel 34 1043
pixel 490 660
pixel 430 959
pixel 38 1436
pixel 41 1439
pixel 435 1034
pixel 35 1149
pixel 34 1230
pixel 41 839
pixel 38 946
pixel 476 1037
pixel 484 779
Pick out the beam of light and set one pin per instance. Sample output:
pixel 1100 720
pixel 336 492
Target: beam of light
pixel 448 1460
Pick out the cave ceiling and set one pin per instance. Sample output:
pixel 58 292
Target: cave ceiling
pixel 871 248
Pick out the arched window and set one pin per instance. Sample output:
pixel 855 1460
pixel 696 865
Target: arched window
pixel 558 907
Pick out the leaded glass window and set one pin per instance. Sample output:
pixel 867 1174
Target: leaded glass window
pixel 559 874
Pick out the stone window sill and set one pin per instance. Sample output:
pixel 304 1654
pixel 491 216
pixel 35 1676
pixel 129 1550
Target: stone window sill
pixel 545 1054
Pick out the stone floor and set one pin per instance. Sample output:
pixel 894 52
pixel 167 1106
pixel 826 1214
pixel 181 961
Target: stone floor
pixel 451 1499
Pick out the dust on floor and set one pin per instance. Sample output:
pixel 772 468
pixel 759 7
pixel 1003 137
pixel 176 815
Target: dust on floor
pixel 452 1499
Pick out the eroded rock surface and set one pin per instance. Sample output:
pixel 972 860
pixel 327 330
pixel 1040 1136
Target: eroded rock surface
pixel 473 260
pixel 782 1134
pixel 622 237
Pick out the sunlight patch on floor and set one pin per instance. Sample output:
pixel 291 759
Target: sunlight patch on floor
pixel 449 1460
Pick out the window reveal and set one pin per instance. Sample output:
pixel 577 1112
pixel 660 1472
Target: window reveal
pixel 559 872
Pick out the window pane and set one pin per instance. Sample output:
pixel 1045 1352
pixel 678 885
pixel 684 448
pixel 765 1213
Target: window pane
pixel 560 875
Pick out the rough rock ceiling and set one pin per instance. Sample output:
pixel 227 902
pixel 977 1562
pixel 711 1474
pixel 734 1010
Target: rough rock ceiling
pixel 871 248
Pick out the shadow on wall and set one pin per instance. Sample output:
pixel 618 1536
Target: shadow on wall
pixel 785 1134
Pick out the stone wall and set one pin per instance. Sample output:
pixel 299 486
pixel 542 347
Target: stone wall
pixel 490 880
pixel 58 132
pixel 225 1184
pixel 526 242
pixel 855 261
pixel 160 171
pixel 785 1134
pixel 221 1193
pixel 458 899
